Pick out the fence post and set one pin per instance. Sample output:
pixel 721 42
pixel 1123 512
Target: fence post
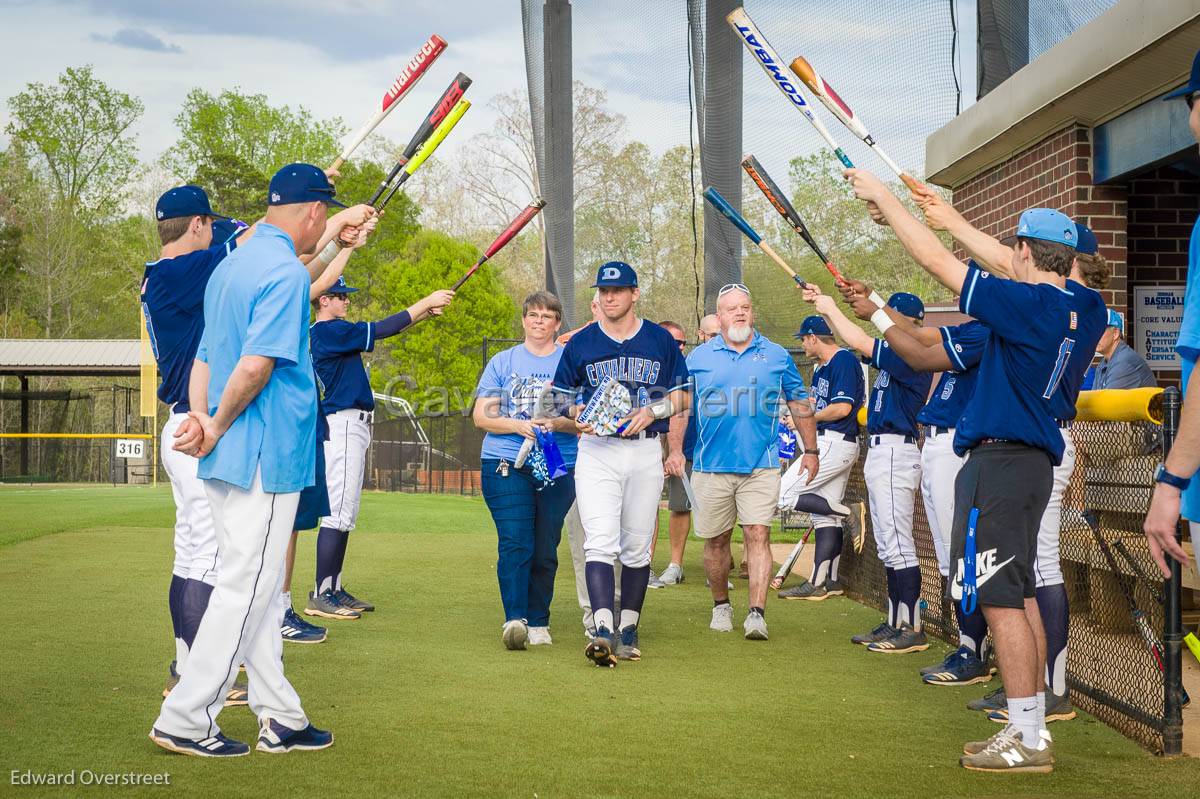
pixel 1173 617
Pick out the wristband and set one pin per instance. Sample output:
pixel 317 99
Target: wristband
pixel 1161 475
pixel 875 298
pixel 812 452
pixel 329 253
pixel 882 321
pixel 662 409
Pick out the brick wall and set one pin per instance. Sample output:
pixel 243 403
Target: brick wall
pixel 1162 209
pixel 1054 173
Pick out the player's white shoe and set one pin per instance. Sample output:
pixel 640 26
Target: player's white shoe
pixel 755 626
pixel 672 575
pixel 515 634
pixel 539 636
pixel 722 618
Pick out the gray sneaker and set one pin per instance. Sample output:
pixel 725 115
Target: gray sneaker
pixel 515 634
pixel 722 618
pixel 326 605
pixel 905 640
pixel 672 575
pixel 834 588
pixel 755 626
pixel 1005 752
pixel 806 590
pixel 655 582
pixel 993 700
pixel 975 747
pixel 881 632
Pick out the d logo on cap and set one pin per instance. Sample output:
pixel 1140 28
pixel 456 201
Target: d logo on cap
pixel 610 273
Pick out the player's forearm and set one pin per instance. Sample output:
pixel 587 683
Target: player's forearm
pixel 324 280
pixel 928 336
pixel 854 336
pixel 198 387
pixel 1184 458
pixel 923 245
pixel 676 431
pixel 249 376
pixel 917 355
pixel 806 426
pixel 987 251
pixel 833 412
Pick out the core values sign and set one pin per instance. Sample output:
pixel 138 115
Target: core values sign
pixel 1158 314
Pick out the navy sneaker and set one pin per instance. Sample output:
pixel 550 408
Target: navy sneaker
pixel 905 640
pixel 214 746
pixel 1058 708
pixel 276 738
pixel 627 649
pixel 960 667
pixel 298 631
pixel 880 633
pixel 349 600
pixel 601 650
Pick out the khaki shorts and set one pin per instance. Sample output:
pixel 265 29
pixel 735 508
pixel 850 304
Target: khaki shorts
pixel 726 499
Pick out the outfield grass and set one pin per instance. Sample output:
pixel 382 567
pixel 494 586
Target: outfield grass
pixel 424 701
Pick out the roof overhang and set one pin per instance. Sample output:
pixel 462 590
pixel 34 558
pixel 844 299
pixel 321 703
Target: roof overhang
pixel 70 357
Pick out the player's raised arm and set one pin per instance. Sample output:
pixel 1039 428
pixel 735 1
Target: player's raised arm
pixel 912 344
pixel 854 336
pixel 986 250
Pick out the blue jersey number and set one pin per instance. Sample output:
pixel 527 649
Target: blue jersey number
pixel 1060 366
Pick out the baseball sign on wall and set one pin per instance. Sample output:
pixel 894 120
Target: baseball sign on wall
pixel 1157 315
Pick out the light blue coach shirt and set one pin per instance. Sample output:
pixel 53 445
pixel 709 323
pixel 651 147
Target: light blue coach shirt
pixel 737 398
pixel 256 303
pixel 1188 348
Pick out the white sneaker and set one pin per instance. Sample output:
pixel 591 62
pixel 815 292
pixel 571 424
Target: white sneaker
pixel 539 636
pixel 672 575
pixel 655 582
pixel 515 634
pixel 755 626
pixel 722 619
pixel 589 624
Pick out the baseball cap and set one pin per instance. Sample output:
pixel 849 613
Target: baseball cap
pixel 340 287
pixel 184 201
pixel 1086 243
pixel 1115 319
pixel 301 183
pixel 814 326
pixel 225 229
pixel 1193 85
pixel 1048 225
pixel 615 274
pixel 908 304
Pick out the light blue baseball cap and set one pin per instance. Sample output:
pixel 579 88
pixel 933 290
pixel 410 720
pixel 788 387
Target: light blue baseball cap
pixel 1048 225
pixel 1115 319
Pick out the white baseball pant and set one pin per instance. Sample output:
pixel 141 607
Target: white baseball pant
pixel 1047 568
pixel 195 537
pixel 241 624
pixel 892 471
pixel 939 468
pixel 345 461
pixel 837 457
pixel 618 484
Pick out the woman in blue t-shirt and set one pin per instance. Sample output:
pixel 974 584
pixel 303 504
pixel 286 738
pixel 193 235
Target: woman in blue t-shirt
pixel 528 512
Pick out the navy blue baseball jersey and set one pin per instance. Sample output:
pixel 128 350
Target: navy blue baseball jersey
pixel 649 364
pixel 840 380
pixel 173 303
pixel 898 394
pixel 1041 343
pixel 964 345
pixel 337 347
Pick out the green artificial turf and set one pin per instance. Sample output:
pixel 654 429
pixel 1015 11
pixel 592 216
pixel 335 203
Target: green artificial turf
pixel 424 701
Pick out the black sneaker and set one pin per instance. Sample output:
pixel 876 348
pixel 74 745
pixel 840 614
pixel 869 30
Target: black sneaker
pixel 883 631
pixel 834 588
pixel 905 640
pixel 994 700
pixel 960 668
pixel 349 600
pixel 806 590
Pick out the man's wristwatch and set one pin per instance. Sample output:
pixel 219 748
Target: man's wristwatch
pixel 812 452
pixel 1161 475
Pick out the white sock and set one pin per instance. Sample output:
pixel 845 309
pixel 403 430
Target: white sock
pixel 603 617
pixel 1041 710
pixel 287 600
pixel 1023 714
pixel 629 618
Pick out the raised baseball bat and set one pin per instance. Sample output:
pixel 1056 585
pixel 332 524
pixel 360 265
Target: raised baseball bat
pixel 402 85
pixel 780 203
pixel 437 137
pixel 789 562
pixel 721 204
pixel 772 64
pixel 514 227
pixel 837 106
pixel 440 111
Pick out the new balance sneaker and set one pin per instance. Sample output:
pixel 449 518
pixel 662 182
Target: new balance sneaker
pixel 214 746
pixel 237 695
pixel 960 667
pixel 906 639
pixel 990 701
pixel 276 738
pixel 755 626
pixel 1007 753
pixel 298 631
pixel 327 606
pixel 601 650
pixel 515 634
pixel 672 575
pixel 805 590
pixel 975 747
pixel 1058 708
pixel 722 618
pixel 627 646
pixel 880 633
pixel 655 582
pixel 349 600
pixel 539 636
pixel 834 588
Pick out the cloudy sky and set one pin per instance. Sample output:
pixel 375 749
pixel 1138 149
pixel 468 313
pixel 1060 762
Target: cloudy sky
pixel 337 57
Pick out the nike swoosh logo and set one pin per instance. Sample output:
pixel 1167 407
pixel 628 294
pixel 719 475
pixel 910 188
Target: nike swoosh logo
pixel 956 588
pixel 990 573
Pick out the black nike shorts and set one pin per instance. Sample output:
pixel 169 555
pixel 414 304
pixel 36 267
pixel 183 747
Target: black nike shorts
pixel 1010 483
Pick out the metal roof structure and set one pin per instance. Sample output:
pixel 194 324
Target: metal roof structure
pixel 70 357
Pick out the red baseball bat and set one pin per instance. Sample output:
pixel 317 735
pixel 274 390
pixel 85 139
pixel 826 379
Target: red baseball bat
pixel 514 227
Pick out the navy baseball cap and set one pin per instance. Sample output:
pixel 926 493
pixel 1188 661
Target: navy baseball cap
pixel 301 183
pixel 340 287
pixel 1193 85
pixel 615 274
pixel 184 201
pixel 225 229
pixel 1086 243
pixel 908 304
pixel 1048 225
pixel 814 326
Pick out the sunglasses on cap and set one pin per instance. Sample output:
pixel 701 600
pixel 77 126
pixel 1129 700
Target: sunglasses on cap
pixel 728 287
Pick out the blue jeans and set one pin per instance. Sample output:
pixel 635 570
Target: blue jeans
pixel 529 526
